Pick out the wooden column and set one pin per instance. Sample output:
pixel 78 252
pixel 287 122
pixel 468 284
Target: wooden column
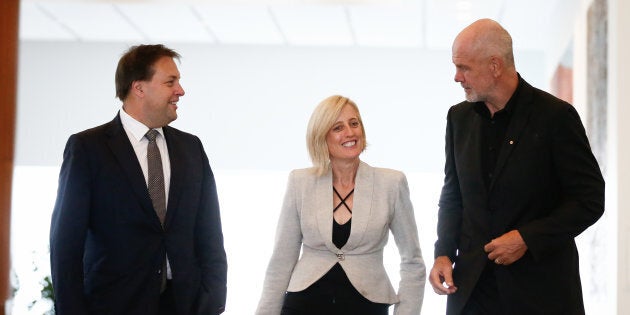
pixel 8 89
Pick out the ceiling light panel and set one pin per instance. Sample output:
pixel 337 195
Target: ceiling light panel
pixel 387 26
pixel 166 22
pixel 240 24
pixel 92 21
pixel 318 25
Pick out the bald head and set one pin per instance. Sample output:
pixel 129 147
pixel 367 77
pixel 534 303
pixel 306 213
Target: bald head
pixel 484 38
pixel 484 64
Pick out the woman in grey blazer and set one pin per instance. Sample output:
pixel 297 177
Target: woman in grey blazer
pixel 339 213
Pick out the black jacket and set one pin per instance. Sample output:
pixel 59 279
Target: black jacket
pixel 546 184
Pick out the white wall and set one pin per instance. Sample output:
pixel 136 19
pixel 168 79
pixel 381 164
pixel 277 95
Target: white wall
pixel 619 153
pixel 249 104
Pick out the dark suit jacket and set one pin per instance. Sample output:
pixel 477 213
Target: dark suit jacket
pixel 546 184
pixel 106 242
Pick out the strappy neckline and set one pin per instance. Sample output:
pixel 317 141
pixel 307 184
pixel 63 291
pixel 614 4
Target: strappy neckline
pixel 343 200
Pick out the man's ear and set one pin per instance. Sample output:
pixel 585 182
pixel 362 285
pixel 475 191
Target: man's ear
pixel 496 65
pixel 137 88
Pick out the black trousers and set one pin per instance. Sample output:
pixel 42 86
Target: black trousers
pixel 485 298
pixel 331 295
pixel 167 300
pixel 297 303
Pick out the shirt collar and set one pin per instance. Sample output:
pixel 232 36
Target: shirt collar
pixel 134 127
pixel 481 109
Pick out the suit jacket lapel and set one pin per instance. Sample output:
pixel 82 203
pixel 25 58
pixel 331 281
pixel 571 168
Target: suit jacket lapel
pixel 123 151
pixel 174 154
pixel 469 150
pixel 362 204
pixel 518 122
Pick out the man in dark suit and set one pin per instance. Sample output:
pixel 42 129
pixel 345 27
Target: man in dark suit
pixel 136 227
pixel 520 184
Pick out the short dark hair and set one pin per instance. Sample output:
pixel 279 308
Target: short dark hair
pixel 137 65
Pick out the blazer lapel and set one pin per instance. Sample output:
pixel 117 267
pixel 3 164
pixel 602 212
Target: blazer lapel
pixel 362 204
pixel 126 157
pixel 324 204
pixel 518 122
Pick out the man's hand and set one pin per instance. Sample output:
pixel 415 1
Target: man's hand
pixel 507 248
pixel 441 276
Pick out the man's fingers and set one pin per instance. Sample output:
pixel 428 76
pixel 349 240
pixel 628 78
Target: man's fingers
pixel 441 276
pixel 490 247
pixel 448 279
pixel 443 288
pixel 436 280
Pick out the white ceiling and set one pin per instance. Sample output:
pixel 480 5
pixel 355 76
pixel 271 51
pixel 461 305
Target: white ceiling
pixel 429 24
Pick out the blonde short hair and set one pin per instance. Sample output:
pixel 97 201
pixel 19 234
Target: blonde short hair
pixel 323 118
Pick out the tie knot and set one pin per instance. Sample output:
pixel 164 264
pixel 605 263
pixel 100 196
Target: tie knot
pixel 151 134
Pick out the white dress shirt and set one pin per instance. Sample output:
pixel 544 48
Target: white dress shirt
pixel 135 132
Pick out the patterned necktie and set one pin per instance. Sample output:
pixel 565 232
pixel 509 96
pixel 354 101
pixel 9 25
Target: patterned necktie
pixel 156 189
pixel 156 176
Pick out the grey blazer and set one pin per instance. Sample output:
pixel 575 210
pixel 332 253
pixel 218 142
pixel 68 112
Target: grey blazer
pixel 381 203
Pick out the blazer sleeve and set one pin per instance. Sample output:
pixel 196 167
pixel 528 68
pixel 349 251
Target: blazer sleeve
pixel 450 204
pixel 285 254
pixel 68 229
pixel 412 268
pixel 209 239
pixel 581 185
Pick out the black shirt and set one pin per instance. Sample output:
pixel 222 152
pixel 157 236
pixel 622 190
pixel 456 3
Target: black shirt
pixel 493 130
